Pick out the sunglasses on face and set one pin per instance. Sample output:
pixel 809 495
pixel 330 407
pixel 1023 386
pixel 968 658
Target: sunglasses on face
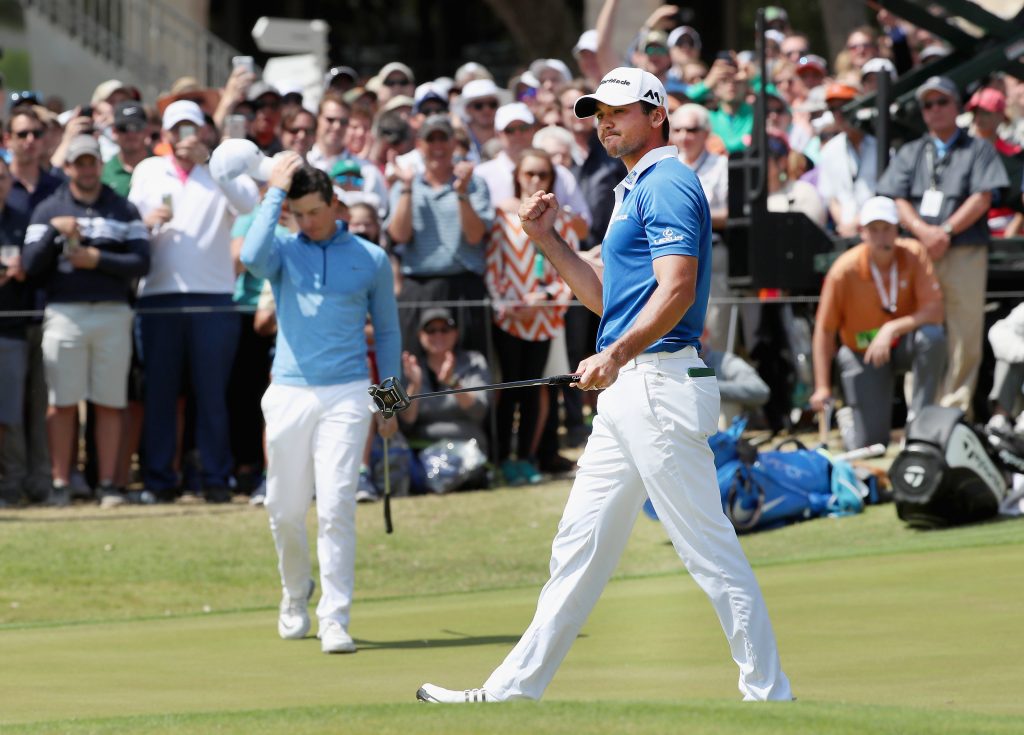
pixel 516 129
pixel 433 110
pixel 692 131
pixel 941 102
pixel 860 46
pixel 536 174
pixel 438 330
pixel 397 82
pixel 130 128
pixel 341 122
pixel 36 133
pixel 301 131
pixel 776 111
pixel 655 50
pixel 488 105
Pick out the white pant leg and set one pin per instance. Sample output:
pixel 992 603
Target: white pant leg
pixel 337 448
pixel 291 413
pixel 667 438
pixel 595 526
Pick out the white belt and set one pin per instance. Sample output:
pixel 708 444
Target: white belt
pixel 687 353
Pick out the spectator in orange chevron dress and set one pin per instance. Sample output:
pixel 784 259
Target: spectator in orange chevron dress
pixel 531 301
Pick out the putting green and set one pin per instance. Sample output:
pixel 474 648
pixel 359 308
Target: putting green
pixel 932 631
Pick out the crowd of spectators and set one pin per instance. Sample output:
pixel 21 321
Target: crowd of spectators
pixel 108 205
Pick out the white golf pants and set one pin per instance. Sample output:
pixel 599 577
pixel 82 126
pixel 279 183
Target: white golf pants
pixel 649 439
pixel 315 439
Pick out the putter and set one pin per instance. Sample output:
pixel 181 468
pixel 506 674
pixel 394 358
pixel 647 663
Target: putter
pixel 388 528
pixel 390 397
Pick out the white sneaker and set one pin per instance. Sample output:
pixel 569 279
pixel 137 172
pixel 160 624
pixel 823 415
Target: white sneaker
pixel 334 638
pixel 438 695
pixel 293 620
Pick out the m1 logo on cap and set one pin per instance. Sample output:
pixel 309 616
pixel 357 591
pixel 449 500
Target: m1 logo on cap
pixel 651 94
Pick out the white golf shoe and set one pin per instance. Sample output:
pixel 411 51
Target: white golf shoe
pixel 293 620
pixel 434 694
pixel 334 638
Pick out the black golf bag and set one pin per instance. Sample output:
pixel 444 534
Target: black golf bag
pixel 945 475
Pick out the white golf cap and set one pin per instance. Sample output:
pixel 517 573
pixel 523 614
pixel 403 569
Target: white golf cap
pixel 879 209
pixel 183 111
pixel 238 156
pixel 479 88
pixel 556 65
pixel 510 113
pixel 587 42
pixel 877 65
pixel 623 86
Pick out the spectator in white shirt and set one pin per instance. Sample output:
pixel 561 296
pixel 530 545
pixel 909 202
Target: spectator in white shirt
pixel 189 215
pixel 849 168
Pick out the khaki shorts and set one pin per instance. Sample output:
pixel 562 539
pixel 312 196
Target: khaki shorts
pixel 87 351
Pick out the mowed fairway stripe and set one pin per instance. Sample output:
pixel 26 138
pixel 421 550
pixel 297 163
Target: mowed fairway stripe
pixel 934 630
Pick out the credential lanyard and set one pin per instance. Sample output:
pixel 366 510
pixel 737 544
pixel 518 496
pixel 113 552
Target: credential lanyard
pixel 935 169
pixel 888 300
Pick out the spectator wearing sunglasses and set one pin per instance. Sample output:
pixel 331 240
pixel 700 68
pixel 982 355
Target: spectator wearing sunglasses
pixel 477 107
pixel 26 457
pixel 331 132
pixel 298 130
pixel 129 132
pixel 393 80
pixel 943 184
pixel 652 54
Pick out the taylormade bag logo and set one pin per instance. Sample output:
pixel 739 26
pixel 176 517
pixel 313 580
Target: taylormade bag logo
pixel 914 475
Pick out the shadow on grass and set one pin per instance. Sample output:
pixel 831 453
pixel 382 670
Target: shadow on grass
pixel 463 641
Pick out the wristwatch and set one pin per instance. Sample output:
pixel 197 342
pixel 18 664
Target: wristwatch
pixel 948 229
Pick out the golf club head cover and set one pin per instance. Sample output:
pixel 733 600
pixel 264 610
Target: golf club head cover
pixel 389 396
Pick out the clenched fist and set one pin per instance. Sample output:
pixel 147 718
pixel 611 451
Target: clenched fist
pixel 537 214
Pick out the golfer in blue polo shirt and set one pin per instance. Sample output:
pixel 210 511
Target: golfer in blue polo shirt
pixel 659 405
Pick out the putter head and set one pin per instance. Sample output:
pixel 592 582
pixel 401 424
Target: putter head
pixel 389 396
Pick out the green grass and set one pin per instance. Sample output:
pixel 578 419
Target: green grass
pixel 881 629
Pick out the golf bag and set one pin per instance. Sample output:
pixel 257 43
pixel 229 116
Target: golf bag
pixel 945 475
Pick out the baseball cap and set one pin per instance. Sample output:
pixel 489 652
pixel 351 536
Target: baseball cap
pixel 182 111
pixel 932 52
pixel 837 91
pixel 478 88
pixel 586 42
pixel 237 156
pixel 258 89
pixel 879 209
pixel 989 100
pixel 654 37
pixel 623 85
pixel 105 89
pixel 508 114
pixel 876 65
pixel 814 102
pixel 391 67
pixel 346 167
pixel 944 85
pixel 557 65
pixel 399 100
pixel 340 72
pixel 129 113
pixel 776 36
pixel 469 71
pixel 436 124
pixel 426 92
pixel 812 61
pixel 435 313
pixel 773 13
pixel 82 145
pixel 682 32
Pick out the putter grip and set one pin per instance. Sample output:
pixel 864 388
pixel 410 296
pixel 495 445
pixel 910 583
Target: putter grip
pixel 563 379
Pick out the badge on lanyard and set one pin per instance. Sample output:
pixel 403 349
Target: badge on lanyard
pixel 888 299
pixel 931 203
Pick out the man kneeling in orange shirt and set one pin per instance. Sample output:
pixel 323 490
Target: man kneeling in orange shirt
pixel 883 300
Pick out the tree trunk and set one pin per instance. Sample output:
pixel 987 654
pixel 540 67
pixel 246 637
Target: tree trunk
pixel 540 28
pixel 840 17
